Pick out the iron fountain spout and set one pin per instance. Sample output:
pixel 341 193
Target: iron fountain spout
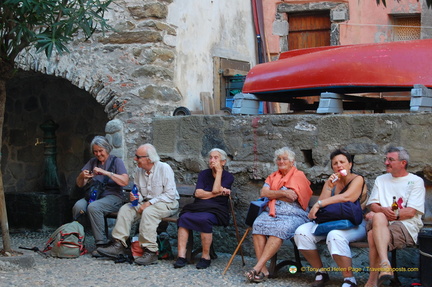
pixel 38 142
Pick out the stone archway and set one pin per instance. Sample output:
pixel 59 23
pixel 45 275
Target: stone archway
pixel 32 99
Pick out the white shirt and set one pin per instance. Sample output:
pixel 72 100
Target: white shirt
pixel 157 185
pixel 409 190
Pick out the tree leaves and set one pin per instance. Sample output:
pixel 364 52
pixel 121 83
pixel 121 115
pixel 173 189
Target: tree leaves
pixel 47 24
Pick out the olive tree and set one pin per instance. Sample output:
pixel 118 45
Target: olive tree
pixel 47 25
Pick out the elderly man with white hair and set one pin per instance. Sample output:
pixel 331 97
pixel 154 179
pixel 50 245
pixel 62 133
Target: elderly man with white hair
pixel 158 198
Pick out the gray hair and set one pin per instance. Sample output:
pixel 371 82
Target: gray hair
pixel 152 153
pixel 402 152
pixel 222 153
pixel 283 151
pixel 102 142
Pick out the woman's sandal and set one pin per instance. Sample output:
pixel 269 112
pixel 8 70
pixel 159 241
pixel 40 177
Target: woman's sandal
pixel 253 276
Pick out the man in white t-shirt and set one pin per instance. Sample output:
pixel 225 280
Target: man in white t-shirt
pixel 388 229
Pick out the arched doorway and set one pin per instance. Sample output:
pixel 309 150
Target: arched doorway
pixel 32 99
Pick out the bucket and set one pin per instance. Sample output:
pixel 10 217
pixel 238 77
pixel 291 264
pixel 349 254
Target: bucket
pixel 425 250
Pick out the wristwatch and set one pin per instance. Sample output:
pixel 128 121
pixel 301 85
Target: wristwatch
pixel 319 203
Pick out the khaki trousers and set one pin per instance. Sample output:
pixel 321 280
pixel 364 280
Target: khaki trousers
pixel 149 222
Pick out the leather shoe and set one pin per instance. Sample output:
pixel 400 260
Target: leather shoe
pixel 149 257
pixel 180 262
pixel 203 263
pixel 112 250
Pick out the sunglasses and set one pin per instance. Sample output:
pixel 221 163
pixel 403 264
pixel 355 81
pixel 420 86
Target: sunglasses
pixel 140 156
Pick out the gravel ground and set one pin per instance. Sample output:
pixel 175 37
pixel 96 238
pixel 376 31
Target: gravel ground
pixel 88 271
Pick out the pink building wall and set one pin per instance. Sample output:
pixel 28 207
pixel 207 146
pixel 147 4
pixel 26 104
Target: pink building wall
pixel 370 23
pixel 367 22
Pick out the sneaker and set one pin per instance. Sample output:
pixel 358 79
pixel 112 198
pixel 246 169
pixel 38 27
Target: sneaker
pixel 180 262
pixel 203 263
pixel 148 258
pixel 113 250
pixel 320 279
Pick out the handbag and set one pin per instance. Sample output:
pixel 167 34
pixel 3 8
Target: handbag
pixel 341 210
pixel 255 209
pixel 326 227
pixel 97 187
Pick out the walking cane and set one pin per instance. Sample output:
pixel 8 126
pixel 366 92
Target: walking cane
pixel 236 229
pixel 235 252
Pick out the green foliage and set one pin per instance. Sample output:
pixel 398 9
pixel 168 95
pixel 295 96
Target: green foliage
pixel 47 24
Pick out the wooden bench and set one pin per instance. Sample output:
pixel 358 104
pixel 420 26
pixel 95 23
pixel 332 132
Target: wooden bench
pixel 186 193
pixel 275 267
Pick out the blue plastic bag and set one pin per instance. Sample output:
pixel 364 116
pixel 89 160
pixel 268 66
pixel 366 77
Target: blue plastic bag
pixel 326 227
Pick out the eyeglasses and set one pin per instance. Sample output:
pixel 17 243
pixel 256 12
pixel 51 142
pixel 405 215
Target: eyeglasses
pixel 390 159
pixel 140 156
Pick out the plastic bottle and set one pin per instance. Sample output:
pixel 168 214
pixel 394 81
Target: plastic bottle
pixel 93 195
pixel 135 193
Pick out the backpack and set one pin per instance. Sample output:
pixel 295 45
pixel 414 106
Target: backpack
pixel 67 241
pixel 164 246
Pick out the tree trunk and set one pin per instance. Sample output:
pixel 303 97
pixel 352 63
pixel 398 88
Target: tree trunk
pixel 3 214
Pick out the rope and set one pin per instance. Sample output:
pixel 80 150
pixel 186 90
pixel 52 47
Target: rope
pixel 425 254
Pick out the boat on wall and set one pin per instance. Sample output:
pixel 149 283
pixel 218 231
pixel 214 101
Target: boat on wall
pixel 348 69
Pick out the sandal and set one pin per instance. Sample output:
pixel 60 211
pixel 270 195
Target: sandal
pixel 255 277
pixel 385 274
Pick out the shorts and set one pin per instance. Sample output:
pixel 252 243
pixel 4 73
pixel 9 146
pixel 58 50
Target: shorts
pixel 399 236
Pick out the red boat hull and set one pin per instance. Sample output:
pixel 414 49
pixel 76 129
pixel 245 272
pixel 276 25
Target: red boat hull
pixel 393 66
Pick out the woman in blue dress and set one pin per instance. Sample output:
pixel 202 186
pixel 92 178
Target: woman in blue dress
pixel 209 208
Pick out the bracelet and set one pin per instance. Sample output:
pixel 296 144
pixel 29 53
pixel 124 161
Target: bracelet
pixel 319 203
pixel 112 174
